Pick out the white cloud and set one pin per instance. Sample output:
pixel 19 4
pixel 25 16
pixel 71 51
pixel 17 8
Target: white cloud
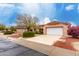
pixel 72 23
pixel 12 24
pixel 45 21
pixel 37 9
pixel 31 7
pixel 78 8
pixel 55 20
pixel 33 15
pixel 69 7
pixel 6 5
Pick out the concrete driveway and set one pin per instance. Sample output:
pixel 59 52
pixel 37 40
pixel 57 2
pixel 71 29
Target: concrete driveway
pixel 45 39
pixel 8 48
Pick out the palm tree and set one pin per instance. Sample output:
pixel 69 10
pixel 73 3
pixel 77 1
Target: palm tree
pixel 30 23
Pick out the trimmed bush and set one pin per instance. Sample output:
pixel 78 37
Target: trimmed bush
pixel 28 34
pixel 8 32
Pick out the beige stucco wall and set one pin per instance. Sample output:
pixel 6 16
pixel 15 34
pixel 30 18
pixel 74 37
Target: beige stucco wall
pixel 21 30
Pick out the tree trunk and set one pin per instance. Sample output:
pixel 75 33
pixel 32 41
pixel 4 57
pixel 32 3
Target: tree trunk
pixel 75 36
pixel 33 30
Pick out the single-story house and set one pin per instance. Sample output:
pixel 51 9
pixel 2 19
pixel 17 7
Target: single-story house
pixel 53 28
pixel 21 29
pixel 56 28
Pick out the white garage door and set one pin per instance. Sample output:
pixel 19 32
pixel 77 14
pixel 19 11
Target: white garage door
pixel 55 31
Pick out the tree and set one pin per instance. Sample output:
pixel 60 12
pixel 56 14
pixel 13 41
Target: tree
pixel 27 21
pixel 2 27
pixel 12 28
pixel 73 31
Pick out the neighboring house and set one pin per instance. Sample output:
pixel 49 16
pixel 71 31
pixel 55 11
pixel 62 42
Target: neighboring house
pixel 21 29
pixel 56 28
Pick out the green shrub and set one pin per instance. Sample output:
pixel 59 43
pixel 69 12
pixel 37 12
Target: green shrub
pixel 8 32
pixel 40 31
pixel 2 27
pixel 36 32
pixel 12 28
pixel 28 34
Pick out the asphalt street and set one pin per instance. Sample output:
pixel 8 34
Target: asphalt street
pixel 8 48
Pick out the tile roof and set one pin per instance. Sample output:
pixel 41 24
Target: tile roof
pixel 56 22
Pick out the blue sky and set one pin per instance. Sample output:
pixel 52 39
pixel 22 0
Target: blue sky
pixel 46 12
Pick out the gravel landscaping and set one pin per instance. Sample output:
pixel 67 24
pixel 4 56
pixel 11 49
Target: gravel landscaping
pixel 68 43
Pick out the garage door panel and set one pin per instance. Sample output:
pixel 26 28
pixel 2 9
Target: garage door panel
pixel 55 31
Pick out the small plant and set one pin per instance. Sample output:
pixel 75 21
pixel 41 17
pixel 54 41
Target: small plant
pixel 8 32
pixel 28 34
